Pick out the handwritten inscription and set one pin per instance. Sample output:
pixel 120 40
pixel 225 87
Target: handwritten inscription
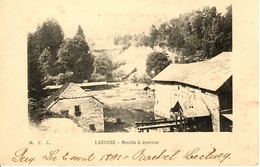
pixel 52 156
pixel 21 156
pixel 90 157
pixel 143 156
pixel 194 154
pixel 113 157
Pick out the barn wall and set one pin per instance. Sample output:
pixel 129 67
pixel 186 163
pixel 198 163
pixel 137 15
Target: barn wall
pixel 166 96
pixel 91 112
pixel 226 95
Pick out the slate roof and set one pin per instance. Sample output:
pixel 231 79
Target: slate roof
pixel 67 91
pixel 209 74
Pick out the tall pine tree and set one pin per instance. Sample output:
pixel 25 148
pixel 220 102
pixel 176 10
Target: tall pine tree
pixel 74 56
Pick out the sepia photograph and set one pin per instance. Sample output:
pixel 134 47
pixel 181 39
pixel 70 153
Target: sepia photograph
pixel 124 72
pixel 129 83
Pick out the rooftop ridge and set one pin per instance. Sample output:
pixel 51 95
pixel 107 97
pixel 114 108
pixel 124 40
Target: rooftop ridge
pixel 209 74
pixel 65 90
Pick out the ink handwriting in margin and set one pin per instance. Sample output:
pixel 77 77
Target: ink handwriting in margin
pixel 21 156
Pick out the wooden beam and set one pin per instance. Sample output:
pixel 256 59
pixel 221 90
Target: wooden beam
pixel 154 123
pixel 157 126
pixel 226 111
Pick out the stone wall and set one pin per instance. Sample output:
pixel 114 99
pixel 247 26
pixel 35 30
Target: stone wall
pixel 92 115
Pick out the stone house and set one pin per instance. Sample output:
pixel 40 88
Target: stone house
pixel 200 92
pixel 73 102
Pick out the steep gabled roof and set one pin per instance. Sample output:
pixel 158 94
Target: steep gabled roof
pixel 209 74
pixel 73 91
pixel 67 91
pixel 56 94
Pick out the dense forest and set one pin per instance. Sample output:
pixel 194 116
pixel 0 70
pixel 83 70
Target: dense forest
pixel 194 36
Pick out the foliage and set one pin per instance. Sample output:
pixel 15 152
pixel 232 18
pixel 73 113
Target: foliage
pixel 122 40
pixel 140 78
pixel 74 56
pixel 35 80
pixel 35 76
pixel 195 36
pixel 33 50
pixel 132 40
pixel 155 63
pixel 97 77
pixel 118 75
pixel 134 78
pixel 104 66
pixel 44 62
pixel 49 36
pixel 80 32
pixel 154 33
pixel 63 77
pixel 145 79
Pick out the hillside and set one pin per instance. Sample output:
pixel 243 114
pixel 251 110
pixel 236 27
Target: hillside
pixel 133 58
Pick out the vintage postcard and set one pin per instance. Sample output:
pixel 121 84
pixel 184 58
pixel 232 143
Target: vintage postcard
pixel 136 83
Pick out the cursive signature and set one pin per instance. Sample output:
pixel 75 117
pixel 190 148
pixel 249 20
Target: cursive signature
pixel 195 154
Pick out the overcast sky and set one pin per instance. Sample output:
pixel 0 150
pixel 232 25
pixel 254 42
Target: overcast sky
pixel 111 17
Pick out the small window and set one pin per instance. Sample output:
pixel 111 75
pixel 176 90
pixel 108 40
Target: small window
pixel 203 91
pixel 77 111
pixel 92 127
pixel 178 87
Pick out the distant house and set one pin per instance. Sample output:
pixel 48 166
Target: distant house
pixel 200 92
pixel 149 90
pixel 72 101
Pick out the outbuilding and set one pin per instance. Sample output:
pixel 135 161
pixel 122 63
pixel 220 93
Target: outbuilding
pixel 73 102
